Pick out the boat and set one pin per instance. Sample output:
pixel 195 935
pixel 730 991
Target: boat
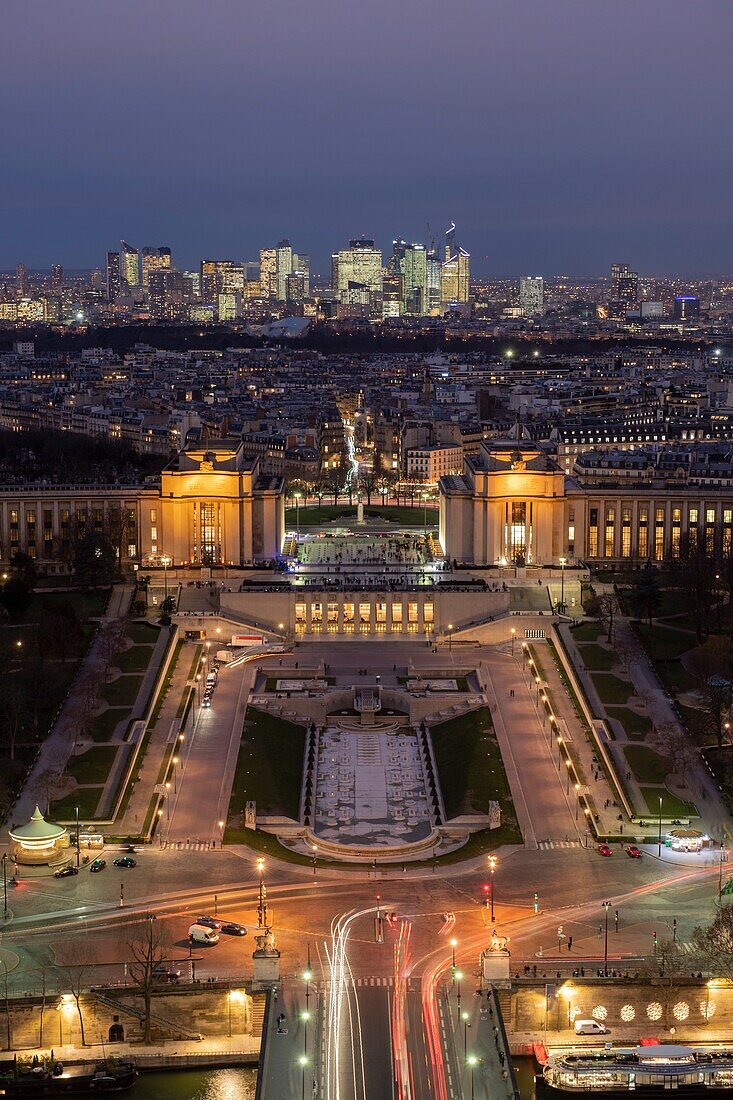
pixel 647 1069
pixel 53 1078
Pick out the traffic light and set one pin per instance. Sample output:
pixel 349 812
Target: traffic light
pixel 486 888
pixel 536 902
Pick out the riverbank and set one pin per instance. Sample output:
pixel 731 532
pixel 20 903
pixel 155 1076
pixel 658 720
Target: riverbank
pixel 240 1050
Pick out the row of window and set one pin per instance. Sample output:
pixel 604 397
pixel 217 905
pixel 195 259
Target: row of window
pixel 654 546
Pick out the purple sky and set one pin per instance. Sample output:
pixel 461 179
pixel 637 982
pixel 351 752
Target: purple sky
pixel 559 134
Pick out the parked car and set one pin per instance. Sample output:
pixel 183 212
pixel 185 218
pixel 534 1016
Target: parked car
pixel 633 851
pixel 233 929
pixel 165 974
pixel 199 933
pixel 65 872
pixel 125 861
pixel 206 701
pixel 590 1027
pixel 97 865
pixel 209 922
pixel 605 850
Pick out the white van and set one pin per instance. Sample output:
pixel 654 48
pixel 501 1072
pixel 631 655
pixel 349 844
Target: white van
pixel 590 1027
pixel 199 933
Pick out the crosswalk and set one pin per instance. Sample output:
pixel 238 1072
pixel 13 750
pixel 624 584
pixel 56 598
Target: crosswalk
pixel 366 983
pixel 189 845
pixel 546 845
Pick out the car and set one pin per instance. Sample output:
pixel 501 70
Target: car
pixel 164 974
pixel 201 933
pixel 209 922
pixel 65 872
pixel 590 1027
pixel 605 850
pixel 633 852
pixel 97 865
pixel 206 701
pixel 125 861
pixel 233 929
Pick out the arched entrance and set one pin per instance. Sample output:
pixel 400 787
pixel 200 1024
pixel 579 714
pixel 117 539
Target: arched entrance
pixel 116 1033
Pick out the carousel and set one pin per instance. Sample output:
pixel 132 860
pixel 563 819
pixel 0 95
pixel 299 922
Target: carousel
pixel 38 842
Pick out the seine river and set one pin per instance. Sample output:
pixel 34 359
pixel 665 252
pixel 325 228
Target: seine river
pixel 192 1084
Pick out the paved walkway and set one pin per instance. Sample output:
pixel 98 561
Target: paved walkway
pixel 58 746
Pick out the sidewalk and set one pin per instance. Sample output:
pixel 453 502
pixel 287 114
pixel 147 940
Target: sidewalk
pixel 237 1050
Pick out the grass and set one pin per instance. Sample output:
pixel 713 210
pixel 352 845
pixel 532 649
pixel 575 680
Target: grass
pixel 87 604
pixel 597 658
pixel 586 632
pixel 163 691
pixel 637 726
pixel 664 643
pixel 86 798
pixel 671 805
pixel 103 726
pixel 470 767
pixel 94 765
pixel 610 688
pixel 646 764
pixel 566 683
pixel 135 659
pixel 142 633
pixel 123 691
pixel 327 513
pixel 269 766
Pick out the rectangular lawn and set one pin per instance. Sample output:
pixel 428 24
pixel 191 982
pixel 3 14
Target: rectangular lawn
pixel 270 765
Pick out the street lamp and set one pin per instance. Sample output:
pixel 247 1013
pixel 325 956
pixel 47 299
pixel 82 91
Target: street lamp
pixel 459 979
pixel 168 798
pixel 472 1061
pixel 450 637
pixel 262 904
pixel 297 516
pixel 606 907
pixel 315 852
pixel 174 762
pixel 78 848
pixel 568 765
pixel 454 945
pixel 466 1025
pixel 577 800
pixel 303 1060
pixel 563 563
pixel 165 561
pixel 5 886
pixel 492 871
pixel 559 750
pixel 659 836
pixel 514 634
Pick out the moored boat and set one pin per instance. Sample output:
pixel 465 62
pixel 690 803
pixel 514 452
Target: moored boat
pixel 53 1078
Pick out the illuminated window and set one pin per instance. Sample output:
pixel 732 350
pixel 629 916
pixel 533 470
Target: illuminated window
pixel 365 617
pixel 610 530
pixel 643 530
pixel 593 533
pixel 428 615
pixel 396 618
pixel 333 618
pixel 153 515
pixel 659 534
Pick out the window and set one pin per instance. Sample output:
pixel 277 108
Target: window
pixel 676 531
pixel 154 534
pixel 300 616
pixel 658 534
pixel 132 550
pixel 643 530
pixel 396 618
pixel 365 617
pixel 153 515
pixel 593 533
pixel 610 530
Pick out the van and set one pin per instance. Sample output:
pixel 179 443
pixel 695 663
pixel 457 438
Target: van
pixel 590 1027
pixel 199 933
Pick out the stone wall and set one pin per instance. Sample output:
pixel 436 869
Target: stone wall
pixel 178 1012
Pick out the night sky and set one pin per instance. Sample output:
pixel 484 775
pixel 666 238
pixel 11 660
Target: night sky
pixel 559 134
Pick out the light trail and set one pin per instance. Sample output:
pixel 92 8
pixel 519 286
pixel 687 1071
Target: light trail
pixel 352 474
pixel 401 1054
pixel 340 1005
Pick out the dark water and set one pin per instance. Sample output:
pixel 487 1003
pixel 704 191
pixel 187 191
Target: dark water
pixel 193 1084
pixel 525 1071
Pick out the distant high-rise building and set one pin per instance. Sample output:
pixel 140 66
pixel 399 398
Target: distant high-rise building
pixel 415 279
pixel 130 267
pixel 21 278
pixel 359 265
pixel 221 277
pixel 624 291
pixel 169 292
pixel 686 307
pixel 276 265
pixel 57 275
pixel 532 295
pixel 434 266
pixel 450 240
pixel 154 259
pixel 114 275
pixel 455 275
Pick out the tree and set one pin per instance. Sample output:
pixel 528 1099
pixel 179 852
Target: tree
pixel 710 665
pixel 334 480
pixel 110 644
pixel 712 945
pixel 23 567
pixel 78 965
pixel 677 748
pixel 368 482
pixel 147 951
pixel 117 527
pixel 94 561
pixel 696 569
pixel 12 711
pixel 16 596
pixel 47 784
pixel 646 593
pixel 608 606
pixel 61 630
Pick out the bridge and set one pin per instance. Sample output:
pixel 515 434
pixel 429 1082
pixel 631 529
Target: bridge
pixel 348 1035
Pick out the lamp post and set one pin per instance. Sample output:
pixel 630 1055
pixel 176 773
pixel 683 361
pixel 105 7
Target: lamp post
pixel 303 1060
pixel 466 1025
pixel 659 834
pixel 262 904
pixel 453 945
pixel 297 516
pixel 459 979
pixel 78 849
pixel 5 886
pixel 472 1060
pixel 606 907
pixel 559 750
pixel 492 872
pixel 425 514
pixel 514 634
pixel 168 799
pixel 577 800
pixel 315 852
pixel 568 765
pixel 165 560
pixel 174 762
pixel 307 977
pixel 450 637
pixel 563 563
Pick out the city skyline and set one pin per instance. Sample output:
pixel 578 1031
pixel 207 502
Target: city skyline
pixel 557 147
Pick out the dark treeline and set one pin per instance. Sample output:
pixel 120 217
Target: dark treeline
pixel 65 457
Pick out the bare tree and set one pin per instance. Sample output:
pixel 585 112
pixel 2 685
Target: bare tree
pixel 78 966
pixel 710 665
pixel 147 950
pixel 624 648
pixel 608 607
pixel 712 945
pixel 677 748
pixel 110 644
pixel 12 713
pixel 46 784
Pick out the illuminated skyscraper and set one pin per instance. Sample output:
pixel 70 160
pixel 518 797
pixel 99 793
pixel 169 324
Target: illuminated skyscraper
pixel 455 275
pixel 221 277
pixel 21 278
pixel 532 296
pixel 130 265
pixel 57 275
pixel 415 279
pixel 434 266
pixel 114 275
pixel 624 291
pixel 155 259
pixel 359 265
pixel 450 240
pixel 276 265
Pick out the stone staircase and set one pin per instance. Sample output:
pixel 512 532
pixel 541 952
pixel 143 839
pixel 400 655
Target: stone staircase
pixel 259 1001
pixel 160 1023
